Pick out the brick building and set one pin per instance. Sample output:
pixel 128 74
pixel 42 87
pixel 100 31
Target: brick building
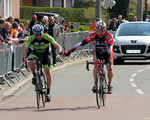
pixel 48 3
pixel 10 8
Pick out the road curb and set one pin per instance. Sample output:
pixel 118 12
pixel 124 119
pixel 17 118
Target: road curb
pixel 12 90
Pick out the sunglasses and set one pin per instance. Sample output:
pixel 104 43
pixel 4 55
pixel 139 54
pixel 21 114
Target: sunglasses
pixel 38 34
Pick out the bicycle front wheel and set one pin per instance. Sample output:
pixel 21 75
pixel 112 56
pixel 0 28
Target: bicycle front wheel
pixel 44 88
pixel 98 97
pixel 104 87
pixel 38 92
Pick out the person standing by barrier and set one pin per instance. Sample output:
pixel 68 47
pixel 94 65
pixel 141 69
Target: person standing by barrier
pixel 54 31
pixel 2 23
pixel 10 19
pixel 6 33
pixel 20 30
pixel 62 26
pixel 102 47
pixel 32 23
pixel 40 41
pixel 113 25
pixel 119 20
pixel 28 30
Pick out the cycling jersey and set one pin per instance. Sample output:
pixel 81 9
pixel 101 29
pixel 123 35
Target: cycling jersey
pixel 101 46
pixel 41 47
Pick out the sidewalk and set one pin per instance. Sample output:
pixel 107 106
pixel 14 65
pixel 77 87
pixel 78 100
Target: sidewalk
pixel 8 91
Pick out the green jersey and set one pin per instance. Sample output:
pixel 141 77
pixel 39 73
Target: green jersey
pixel 41 47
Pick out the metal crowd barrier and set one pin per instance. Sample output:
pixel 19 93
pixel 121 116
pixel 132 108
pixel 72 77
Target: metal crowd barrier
pixel 11 61
pixel 11 64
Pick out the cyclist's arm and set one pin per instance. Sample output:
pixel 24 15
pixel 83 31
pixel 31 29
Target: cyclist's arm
pixel 77 46
pixel 58 47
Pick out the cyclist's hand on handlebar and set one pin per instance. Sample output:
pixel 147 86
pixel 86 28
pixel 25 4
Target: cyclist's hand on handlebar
pixel 25 59
pixel 97 60
pixel 66 53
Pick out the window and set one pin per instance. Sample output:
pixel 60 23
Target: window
pixel 7 8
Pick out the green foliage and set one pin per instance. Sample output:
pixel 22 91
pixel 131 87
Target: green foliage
pixel 121 8
pixel 73 14
pixel 132 11
pixel 84 4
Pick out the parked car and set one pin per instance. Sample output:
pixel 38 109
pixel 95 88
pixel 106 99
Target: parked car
pixel 132 42
pixel 57 17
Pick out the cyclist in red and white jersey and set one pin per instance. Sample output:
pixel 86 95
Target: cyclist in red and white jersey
pixel 102 42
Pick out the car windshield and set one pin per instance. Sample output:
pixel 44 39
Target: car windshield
pixel 134 29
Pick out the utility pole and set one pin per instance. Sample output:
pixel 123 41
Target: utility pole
pixel 146 8
pixel 140 10
pixel 98 9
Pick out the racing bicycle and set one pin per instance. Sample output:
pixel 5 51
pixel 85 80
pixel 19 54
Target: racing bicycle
pixel 101 83
pixel 41 83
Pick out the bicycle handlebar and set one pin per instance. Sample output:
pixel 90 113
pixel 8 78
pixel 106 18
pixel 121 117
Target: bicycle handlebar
pixel 35 58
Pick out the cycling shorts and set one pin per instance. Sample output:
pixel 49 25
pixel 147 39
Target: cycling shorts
pixel 47 62
pixel 104 56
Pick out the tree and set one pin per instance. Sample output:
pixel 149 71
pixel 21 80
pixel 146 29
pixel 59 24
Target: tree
pixel 121 8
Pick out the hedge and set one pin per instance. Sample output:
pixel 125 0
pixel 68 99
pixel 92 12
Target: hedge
pixel 86 15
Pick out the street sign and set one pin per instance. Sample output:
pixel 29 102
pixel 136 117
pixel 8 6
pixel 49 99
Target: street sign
pixel 109 3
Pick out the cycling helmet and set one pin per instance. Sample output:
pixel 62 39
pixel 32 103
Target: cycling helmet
pixel 100 25
pixel 37 29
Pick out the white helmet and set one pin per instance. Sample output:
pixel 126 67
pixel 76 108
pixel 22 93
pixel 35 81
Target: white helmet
pixel 100 25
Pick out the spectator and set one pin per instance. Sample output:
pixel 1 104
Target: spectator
pixel 20 30
pixel 147 18
pixel 41 19
pixel 28 30
pixel 45 23
pixel 113 24
pixel 134 18
pixel 15 30
pixel 68 23
pixel 119 20
pixel 54 31
pixel 32 23
pixel 2 23
pixel 23 28
pixel 45 20
pixel 62 27
pixel 6 33
pixel 10 20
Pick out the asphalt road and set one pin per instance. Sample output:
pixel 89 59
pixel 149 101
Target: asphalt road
pixel 72 98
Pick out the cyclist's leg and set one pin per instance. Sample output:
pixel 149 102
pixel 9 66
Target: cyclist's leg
pixel 32 67
pixel 110 72
pixel 48 72
pixel 95 58
pixel 32 63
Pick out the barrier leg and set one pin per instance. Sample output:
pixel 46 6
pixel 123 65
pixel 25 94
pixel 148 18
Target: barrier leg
pixel 22 73
pixel 10 79
pixel 16 76
pixel 1 88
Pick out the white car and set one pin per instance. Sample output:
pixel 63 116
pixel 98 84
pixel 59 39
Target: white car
pixel 132 42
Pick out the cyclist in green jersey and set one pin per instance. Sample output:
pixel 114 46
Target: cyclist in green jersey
pixel 40 42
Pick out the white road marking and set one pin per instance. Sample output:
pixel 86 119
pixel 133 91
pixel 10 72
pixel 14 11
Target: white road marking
pixel 133 85
pixel 140 70
pixel 140 91
pixel 131 80
pixel 134 75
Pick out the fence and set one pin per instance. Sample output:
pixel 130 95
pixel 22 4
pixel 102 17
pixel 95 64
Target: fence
pixel 11 63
